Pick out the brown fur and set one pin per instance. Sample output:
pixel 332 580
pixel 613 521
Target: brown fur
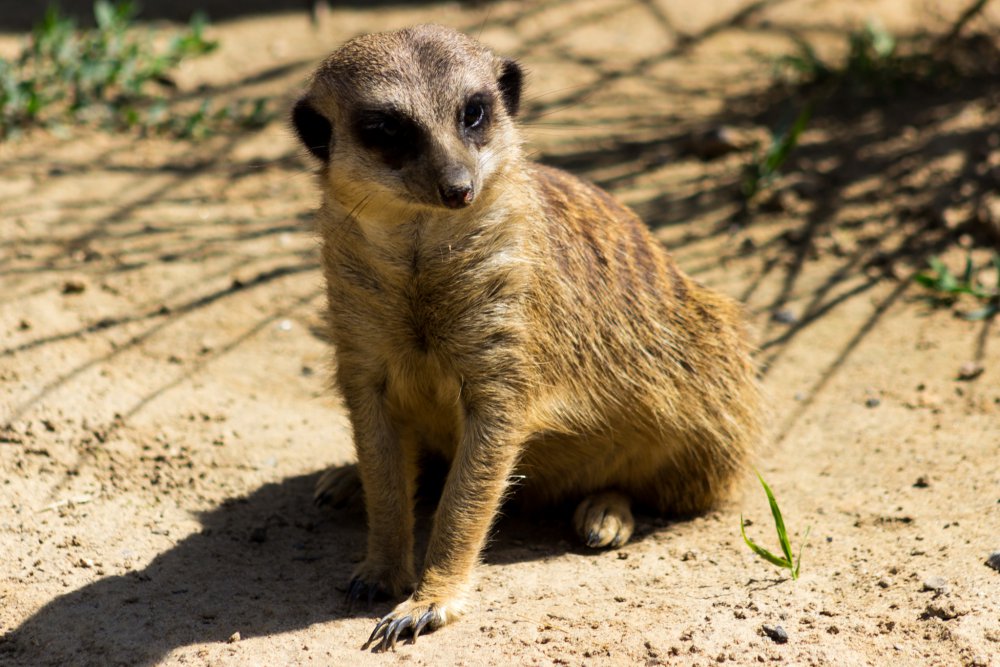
pixel 537 329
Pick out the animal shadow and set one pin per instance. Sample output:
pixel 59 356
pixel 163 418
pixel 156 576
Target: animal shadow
pixel 262 564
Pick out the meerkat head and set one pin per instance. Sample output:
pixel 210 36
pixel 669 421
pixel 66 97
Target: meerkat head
pixel 419 117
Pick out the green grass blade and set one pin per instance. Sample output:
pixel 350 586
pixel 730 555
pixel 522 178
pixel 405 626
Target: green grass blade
pixel 779 523
pixel 762 552
pixel 798 562
pixel 969 270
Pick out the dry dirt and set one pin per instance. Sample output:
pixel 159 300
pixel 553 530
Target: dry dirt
pixel 162 375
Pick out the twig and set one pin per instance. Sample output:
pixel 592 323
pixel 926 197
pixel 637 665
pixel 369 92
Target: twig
pixel 970 13
pixel 78 500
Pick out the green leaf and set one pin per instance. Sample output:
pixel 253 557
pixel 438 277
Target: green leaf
pixel 779 523
pixel 802 545
pixel 762 552
pixel 104 14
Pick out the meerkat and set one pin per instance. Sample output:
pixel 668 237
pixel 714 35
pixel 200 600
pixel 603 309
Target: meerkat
pixel 510 317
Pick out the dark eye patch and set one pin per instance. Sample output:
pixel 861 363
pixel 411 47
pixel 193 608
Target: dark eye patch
pixel 313 129
pixel 396 138
pixel 475 116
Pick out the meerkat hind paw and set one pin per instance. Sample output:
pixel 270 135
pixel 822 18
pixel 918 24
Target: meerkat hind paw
pixel 337 486
pixel 604 519
pixel 360 589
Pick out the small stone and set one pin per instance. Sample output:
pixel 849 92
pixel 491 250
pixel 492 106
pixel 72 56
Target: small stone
pixel 24 325
pixel 74 286
pixel 885 582
pixel 936 585
pixel 776 633
pixel 233 638
pixel 784 316
pixel 970 370
pixel 873 402
pixel 922 482
pixel 715 143
pixel 994 561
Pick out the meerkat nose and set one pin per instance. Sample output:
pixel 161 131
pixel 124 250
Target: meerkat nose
pixel 456 196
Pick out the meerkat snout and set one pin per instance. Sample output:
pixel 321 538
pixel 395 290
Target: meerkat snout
pixel 457 190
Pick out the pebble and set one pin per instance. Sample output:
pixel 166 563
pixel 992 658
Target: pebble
pixel 994 561
pixel 715 143
pixel 873 402
pixel 922 482
pixel 233 638
pixel 776 633
pixel 784 316
pixel 970 370
pixel 937 585
pixel 74 287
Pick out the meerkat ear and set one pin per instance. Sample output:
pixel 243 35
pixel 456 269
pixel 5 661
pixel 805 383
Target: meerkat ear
pixel 511 81
pixel 313 128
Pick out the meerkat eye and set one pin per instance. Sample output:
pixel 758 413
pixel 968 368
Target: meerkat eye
pixel 473 115
pixel 384 125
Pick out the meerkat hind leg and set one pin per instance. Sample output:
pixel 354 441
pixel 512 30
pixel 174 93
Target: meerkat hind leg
pixel 337 486
pixel 604 519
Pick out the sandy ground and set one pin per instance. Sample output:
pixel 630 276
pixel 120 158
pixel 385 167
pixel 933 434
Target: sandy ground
pixel 162 373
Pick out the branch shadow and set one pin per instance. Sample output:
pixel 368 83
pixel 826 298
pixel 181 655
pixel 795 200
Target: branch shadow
pixel 887 167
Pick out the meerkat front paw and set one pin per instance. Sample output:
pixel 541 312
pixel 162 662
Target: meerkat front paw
pixel 337 486
pixel 378 583
pixel 604 519
pixel 411 618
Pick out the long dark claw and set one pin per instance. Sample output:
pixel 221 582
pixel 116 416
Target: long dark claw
pixel 393 631
pixel 359 588
pixel 353 593
pixel 382 625
pixel 424 621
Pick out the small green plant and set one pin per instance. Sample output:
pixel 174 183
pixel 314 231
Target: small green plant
pixel 873 66
pixel 762 171
pixel 111 75
pixel 948 287
pixel 786 560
